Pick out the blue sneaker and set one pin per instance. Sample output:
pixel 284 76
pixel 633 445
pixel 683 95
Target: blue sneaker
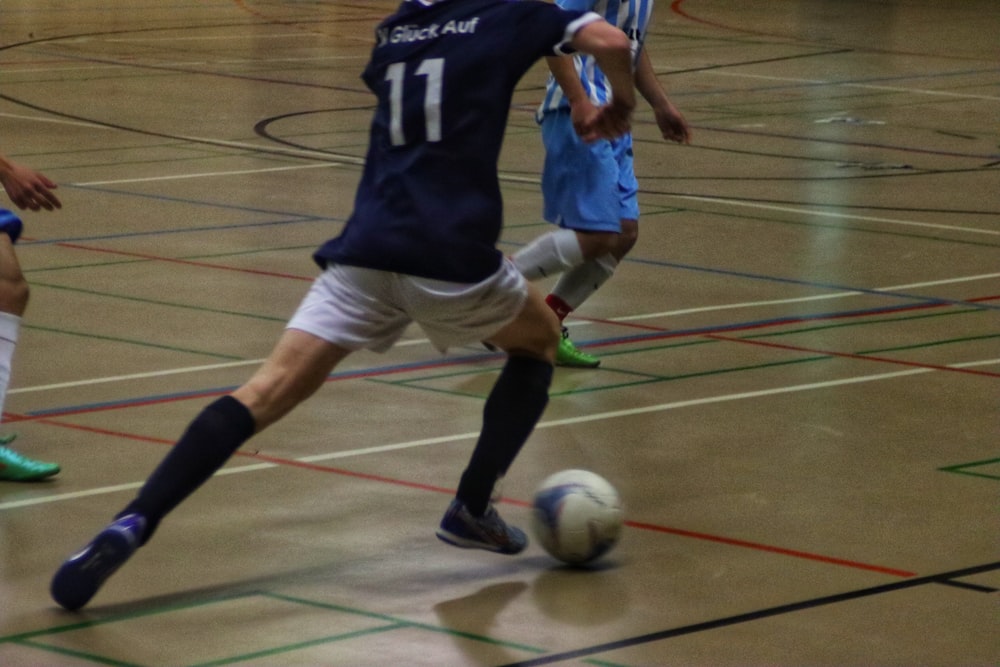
pixel 82 574
pixel 10 224
pixel 490 532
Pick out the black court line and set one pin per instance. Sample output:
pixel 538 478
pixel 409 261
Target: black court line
pixel 943 578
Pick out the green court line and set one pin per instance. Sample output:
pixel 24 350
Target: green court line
pixel 91 657
pixel 156 302
pixel 421 626
pixel 948 341
pixel 124 616
pixel 652 378
pixel 141 260
pixel 114 339
pixel 392 623
pixel 962 468
pixel 91 265
pixel 403 622
pixel 869 322
pixel 288 648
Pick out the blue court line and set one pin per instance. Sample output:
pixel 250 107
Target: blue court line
pixel 459 360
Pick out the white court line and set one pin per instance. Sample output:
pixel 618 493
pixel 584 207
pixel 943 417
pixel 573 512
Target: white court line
pixel 14 69
pixel 555 423
pixel 173 371
pixel 801 299
pixel 832 214
pixel 240 172
pixel 60 121
pixel 422 341
pixel 848 84
pixel 246 37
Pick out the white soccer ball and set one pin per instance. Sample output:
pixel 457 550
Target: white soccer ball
pixel 577 516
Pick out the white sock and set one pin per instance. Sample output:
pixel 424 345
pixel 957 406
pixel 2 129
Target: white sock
pixel 549 254
pixel 576 286
pixel 9 327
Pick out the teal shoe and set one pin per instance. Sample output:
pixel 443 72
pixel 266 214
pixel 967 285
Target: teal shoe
pixel 17 468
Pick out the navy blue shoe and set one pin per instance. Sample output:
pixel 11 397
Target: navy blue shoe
pixel 10 224
pixel 82 574
pixel 461 529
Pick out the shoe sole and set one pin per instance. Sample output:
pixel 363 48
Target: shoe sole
pixel 5 476
pixel 577 364
pixel 463 543
pixel 80 577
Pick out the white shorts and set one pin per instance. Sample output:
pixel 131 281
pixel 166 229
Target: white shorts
pixel 357 308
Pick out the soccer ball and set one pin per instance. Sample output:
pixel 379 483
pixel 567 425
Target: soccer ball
pixel 577 516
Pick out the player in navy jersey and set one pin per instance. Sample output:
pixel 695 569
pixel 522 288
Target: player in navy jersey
pixel 418 247
pixel 590 188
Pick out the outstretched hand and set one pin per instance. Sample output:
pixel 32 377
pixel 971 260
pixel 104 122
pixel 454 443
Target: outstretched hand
pixel 28 189
pixel 672 125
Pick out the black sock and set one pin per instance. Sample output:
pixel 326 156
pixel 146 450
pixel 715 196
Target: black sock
pixel 208 442
pixel 512 409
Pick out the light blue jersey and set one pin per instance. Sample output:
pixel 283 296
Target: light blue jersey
pixel 631 17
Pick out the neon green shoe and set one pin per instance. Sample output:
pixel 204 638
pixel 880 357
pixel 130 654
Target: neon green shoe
pixel 17 468
pixel 567 354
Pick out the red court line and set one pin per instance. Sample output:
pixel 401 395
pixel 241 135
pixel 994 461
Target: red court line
pixel 659 333
pixel 281 461
pixel 205 265
pixel 667 333
pixel 778 550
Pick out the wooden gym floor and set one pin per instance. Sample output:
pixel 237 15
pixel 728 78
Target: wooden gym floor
pixel 800 385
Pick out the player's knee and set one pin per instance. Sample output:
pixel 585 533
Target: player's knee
pixel 539 338
pixel 626 239
pixel 598 244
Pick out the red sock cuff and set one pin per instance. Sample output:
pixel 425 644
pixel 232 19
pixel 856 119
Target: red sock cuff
pixel 560 307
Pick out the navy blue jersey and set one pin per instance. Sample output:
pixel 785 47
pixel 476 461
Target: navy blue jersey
pixel 444 74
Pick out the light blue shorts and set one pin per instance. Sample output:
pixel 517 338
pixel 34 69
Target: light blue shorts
pixel 590 187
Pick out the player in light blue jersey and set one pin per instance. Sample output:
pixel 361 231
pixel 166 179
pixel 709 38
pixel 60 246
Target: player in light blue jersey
pixel 589 187
pixel 420 246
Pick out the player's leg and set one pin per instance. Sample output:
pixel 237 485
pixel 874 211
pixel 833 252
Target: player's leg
pixel 512 410
pixel 579 186
pixel 576 182
pixel 296 368
pixel 338 315
pixel 13 303
pixel 578 284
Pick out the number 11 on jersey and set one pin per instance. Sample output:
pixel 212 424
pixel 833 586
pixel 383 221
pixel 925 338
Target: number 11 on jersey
pixel 433 72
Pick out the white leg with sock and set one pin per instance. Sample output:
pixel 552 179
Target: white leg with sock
pixel 549 254
pixel 576 286
pixel 10 326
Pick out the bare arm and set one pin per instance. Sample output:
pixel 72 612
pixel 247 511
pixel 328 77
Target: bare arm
pixel 583 112
pixel 672 125
pixel 613 52
pixel 26 187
